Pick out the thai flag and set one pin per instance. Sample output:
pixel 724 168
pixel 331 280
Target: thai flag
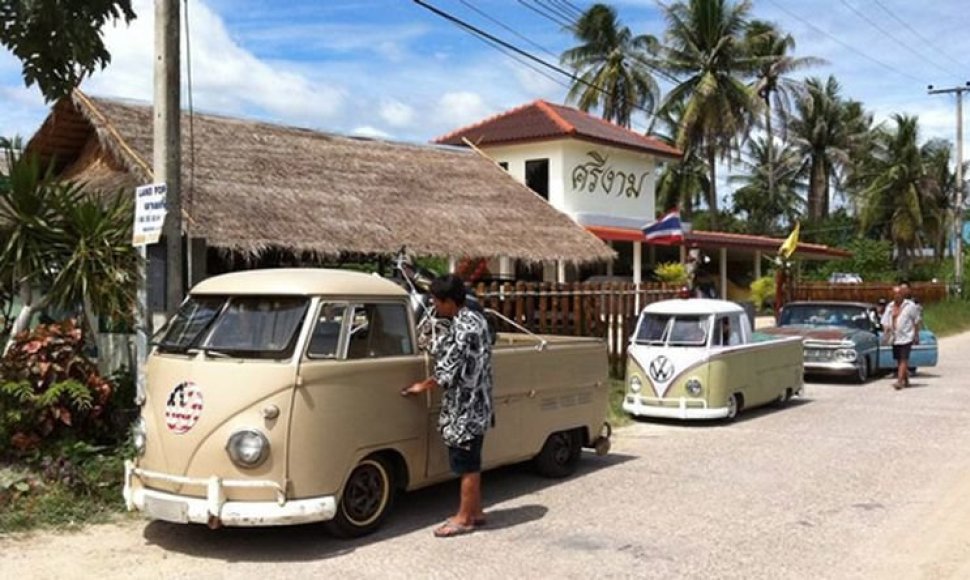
pixel 666 230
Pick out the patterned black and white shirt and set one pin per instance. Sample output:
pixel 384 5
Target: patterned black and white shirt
pixel 463 369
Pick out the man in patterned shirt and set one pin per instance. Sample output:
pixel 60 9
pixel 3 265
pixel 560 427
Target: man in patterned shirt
pixel 463 369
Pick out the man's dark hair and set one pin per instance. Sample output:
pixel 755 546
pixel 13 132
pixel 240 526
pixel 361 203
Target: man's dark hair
pixel 449 287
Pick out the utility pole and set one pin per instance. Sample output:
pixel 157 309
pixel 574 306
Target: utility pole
pixel 167 150
pixel 958 218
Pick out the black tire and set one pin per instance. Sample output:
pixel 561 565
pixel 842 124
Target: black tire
pixel 560 455
pixel 735 404
pixel 912 370
pixel 366 500
pixel 862 371
pixel 784 398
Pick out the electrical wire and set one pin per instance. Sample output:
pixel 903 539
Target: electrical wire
pixel 548 16
pixel 844 44
pixel 862 15
pixel 916 33
pixel 508 28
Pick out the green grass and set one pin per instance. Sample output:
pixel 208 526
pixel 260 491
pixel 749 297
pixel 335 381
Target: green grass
pixel 947 318
pixel 616 416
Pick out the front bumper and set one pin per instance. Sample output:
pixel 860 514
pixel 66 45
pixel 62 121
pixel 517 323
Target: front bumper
pixel 679 408
pixel 214 509
pixel 831 368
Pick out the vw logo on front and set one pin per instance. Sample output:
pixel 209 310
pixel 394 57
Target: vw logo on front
pixel 661 369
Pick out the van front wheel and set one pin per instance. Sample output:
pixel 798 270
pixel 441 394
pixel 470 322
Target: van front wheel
pixel 366 499
pixel 560 455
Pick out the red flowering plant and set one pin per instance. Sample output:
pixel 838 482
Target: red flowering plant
pixel 49 390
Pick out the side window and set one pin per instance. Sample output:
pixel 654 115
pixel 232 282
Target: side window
pixel 379 330
pixel 728 331
pixel 325 340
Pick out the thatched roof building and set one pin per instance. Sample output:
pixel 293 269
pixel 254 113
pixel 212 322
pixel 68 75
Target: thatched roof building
pixel 253 186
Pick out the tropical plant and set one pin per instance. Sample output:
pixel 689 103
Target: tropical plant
pixel 895 202
pixel 671 273
pixel 770 50
pixel 683 183
pixel 704 45
pixel 762 290
pixel 49 389
pixel 771 187
pixel 611 64
pixel 826 129
pixel 940 188
pixel 59 42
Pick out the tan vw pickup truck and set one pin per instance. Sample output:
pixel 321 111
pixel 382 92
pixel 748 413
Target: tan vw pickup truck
pixel 273 397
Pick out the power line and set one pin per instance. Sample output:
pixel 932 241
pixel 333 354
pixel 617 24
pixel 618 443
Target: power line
pixel 549 16
pixel 891 36
pixel 569 8
pixel 557 9
pixel 508 28
pixel 844 44
pixel 474 30
pixel 915 33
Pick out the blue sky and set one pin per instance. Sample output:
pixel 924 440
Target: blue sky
pixel 389 68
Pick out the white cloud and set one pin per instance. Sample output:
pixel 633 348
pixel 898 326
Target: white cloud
pixel 396 114
pixel 371 132
pixel 461 108
pixel 227 78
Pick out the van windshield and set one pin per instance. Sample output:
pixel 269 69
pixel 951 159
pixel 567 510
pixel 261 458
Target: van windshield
pixel 674 330
pixel 245 326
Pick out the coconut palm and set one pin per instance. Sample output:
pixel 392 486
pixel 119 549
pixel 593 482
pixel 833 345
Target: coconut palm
pixel 826 129
pixel 940 188
pixel 683 183
pixel 611 66
pixel 770 51
pixel 771 187
pixel 704 45
pixel 895 201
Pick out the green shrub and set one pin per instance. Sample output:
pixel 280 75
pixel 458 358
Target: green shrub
pixel 671 273
pixel 49 390
pixel 761 290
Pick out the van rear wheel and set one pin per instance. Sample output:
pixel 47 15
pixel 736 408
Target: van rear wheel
pixel 560 454
pixel 733 407
pixel 366 499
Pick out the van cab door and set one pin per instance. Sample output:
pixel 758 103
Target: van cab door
pixel 348 403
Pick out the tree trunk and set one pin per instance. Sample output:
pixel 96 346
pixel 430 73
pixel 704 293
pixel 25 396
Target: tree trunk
pixel 817 190
pixel 771 148
pixel 106 350
pixel 712 195
pixel 26 294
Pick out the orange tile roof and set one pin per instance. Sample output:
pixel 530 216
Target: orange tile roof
pixel 541 120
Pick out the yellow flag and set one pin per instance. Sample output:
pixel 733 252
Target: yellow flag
pixel 788 248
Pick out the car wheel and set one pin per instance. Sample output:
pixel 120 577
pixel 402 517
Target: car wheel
pixel 733 407
pixel 366 499
pixel 912 370
pixel 560 455
pixel 862 371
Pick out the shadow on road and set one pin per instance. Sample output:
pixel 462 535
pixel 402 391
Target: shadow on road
pixel 413 511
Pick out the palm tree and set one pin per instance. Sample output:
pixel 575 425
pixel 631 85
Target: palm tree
pixel 771 52
pixel 894 202
pixel 704 45
pixel 826 129
pixel 611 65
pixel 939 187
pixel 683 183
pixel 770 196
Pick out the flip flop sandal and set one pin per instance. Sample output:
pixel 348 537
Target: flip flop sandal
pixel 451 529
pixel 480 522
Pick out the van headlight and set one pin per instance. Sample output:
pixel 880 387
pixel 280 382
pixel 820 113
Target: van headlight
pixel 635 384
pixel 248 448
pixel 139 436
pixel 693 387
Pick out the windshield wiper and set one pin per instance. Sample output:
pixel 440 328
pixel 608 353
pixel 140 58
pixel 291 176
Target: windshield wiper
pixel 210 352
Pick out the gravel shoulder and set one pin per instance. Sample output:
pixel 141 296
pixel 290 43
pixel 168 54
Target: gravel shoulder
pixel 850 482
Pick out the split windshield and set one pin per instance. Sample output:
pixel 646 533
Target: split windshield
pixel 244 326
pixel 674 330
pixel 827 315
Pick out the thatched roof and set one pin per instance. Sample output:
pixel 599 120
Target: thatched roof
pixel 256 186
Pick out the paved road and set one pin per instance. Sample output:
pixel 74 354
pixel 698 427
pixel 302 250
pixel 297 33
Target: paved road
pixel 851 482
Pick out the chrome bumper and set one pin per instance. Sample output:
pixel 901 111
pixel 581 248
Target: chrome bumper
pixel 686 408
pixel 831 367
pixel 214 509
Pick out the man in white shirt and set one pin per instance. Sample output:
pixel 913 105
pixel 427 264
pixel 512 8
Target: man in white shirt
pixel 900 326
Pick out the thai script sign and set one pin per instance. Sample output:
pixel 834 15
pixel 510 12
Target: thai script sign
pixel 149 213
pixel 600 176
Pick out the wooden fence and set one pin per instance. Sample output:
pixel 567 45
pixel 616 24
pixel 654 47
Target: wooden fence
pixel 926 292
pixel 605 310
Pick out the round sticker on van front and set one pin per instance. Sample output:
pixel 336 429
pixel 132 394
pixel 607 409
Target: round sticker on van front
pixel 183 408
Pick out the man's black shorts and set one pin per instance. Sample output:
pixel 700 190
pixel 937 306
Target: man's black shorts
pixel 901 351
pixel 468 460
